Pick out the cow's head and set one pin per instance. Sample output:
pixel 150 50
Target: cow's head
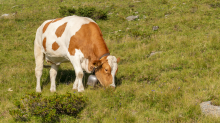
pixel 107 68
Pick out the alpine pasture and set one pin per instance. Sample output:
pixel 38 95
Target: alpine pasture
pixel 170 59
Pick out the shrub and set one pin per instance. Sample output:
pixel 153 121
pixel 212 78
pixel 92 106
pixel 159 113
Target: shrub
pixel 91 12
pixel 48 108
pixel 64 11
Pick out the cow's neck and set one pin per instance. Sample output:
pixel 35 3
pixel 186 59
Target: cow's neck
pixel 100 48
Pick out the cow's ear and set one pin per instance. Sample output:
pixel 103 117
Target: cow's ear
pixel 96 63
pixel 118 59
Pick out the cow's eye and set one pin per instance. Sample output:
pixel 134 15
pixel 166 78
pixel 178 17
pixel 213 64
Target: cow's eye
pixel 106 70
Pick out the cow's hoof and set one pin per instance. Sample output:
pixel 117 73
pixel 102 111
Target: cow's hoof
pixel 38 90
pixel 75 88
pixel 80 90
pixel 52 90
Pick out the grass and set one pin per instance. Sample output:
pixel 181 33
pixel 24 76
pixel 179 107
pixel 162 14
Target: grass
pixel 166 87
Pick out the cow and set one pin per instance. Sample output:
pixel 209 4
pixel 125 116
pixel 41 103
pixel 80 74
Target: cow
pixel 78 40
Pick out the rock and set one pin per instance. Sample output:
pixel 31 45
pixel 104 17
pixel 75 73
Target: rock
pixel 153 53
pixel 10 89
pixel 155 28
pixel 136 1
pixel 209 109
pixel 14 6
pixel 5 15
pixel 130 18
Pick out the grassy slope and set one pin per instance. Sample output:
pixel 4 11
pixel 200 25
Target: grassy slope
pixel 168 86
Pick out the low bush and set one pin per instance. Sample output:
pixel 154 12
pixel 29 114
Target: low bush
pixel 90 12
pixel 48 108
pixel 66 11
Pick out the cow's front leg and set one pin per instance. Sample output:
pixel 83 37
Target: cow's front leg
pixel 53 74
pixel 79 73
pixel 78 85
pixel 75 84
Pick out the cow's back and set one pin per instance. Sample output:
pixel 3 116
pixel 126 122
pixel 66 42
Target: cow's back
pixel 55 35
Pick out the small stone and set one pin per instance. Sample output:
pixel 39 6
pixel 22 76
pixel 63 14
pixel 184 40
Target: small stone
pixel 14 6
pixel 10 89
pixel 5 15
pixel 155 28
pixel 137 1
pixel 130 18
pixel 153 53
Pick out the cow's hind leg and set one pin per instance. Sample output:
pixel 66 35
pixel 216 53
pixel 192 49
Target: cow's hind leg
pixel 53 74
pixel 39 59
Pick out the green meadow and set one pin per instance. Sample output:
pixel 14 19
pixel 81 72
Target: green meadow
pixel 167 86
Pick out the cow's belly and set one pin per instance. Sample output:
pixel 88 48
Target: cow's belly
pixel 56 59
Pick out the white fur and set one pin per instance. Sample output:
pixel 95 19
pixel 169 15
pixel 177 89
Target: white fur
pixel 112 61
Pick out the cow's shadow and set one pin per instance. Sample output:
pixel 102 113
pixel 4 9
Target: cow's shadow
pixel 68 77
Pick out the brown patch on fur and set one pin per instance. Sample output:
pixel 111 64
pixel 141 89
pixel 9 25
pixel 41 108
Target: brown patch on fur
pixel 48 23
pixel 60 30
pixel 89 40
pixel 104 75
pixel 57 19
pixel 44 43
pixel 55 46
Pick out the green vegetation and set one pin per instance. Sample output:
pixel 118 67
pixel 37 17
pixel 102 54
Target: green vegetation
pixel 48 108
pixel 89 11
pixel 165 87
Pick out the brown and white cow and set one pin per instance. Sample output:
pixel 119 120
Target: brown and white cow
pixel 78 40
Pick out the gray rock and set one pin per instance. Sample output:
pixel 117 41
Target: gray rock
pixel 209 109
pixel 136 1
pixel 155 28
pixel 5 15
pixel 130 18
pixel 154 53
pixel 14 6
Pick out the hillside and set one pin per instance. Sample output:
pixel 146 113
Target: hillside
pixel 163 76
